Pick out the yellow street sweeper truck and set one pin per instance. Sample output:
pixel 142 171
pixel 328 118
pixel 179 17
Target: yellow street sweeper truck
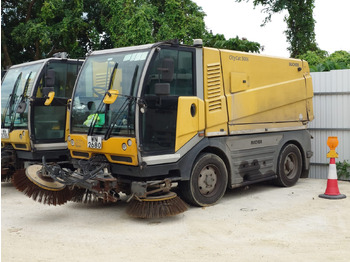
pixel 29 128
pixel 148 121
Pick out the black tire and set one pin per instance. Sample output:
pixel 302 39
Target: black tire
pixel 208 181
pixel 289 167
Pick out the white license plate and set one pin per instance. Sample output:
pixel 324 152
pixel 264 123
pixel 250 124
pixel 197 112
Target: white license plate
pixel 94 142
pixel 4 133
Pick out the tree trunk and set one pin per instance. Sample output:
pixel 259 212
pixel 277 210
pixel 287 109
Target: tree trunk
pixel 29 13
pixel 37 50
pixel 7 60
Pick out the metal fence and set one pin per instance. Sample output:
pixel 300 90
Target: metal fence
pixel 332 118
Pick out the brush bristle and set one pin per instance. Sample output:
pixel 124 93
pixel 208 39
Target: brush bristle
pixel 49 197
pixel 6 178
pixel 83 195
pixel 6 174
pixel 156 209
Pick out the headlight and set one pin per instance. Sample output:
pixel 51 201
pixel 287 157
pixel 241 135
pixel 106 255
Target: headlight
pixel 129 142
pixel 124 147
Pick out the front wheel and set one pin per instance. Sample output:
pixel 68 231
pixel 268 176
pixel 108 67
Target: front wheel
pixel 290 166
pixel 208 181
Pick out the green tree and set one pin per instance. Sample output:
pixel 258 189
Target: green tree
pixel 300 31
pixel 219 41
pixel 35 29
pixel 40 28
pixel 320 61
pixel 132 22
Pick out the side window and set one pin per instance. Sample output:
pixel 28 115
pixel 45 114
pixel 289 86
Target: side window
pixel 181 81
pixel 71 77
pixel 64 76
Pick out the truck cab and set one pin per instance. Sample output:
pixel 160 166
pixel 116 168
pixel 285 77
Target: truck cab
pixel 29 128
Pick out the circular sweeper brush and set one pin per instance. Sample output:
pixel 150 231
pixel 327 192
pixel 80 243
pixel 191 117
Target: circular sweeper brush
pixel 161 206
pixel 34 183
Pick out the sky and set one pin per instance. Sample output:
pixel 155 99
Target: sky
pixel 241 19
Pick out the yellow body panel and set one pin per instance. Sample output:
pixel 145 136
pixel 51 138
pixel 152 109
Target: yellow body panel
pixel 247 93
pixel 19 139
pixel 187 126
pixel 265 90
pixel 215 104
pixel 111 148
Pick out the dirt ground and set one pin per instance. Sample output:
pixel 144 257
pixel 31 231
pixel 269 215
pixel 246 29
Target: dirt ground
pixel 258 223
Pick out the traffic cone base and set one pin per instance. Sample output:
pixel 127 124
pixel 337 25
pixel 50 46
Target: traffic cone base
pixel 340 196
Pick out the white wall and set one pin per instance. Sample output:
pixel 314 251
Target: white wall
pixel 332 118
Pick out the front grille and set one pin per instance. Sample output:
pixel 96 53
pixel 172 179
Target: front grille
pixel 80 154
pixel 122 159
pixel 22 146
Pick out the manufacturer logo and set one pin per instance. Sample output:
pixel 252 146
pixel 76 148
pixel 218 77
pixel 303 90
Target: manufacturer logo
pixel 294 64
pixel 238 58
pixel 256 142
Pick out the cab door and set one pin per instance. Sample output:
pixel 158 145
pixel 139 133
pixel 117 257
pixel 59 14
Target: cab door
pixel 170 75
pixel 48 123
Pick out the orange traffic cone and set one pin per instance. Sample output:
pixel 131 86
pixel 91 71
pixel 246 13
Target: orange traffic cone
pixel 332 190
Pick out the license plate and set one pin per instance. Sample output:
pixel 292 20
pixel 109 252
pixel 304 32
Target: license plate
pixel 94 142
pixel 4 133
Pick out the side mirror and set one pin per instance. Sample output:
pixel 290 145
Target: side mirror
pixel 167 70
pixel 48 101
pixel 21 107
pixel 162 89
pixel 110 97
pixel 50 78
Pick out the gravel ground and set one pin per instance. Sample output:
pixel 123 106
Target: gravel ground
pixel 257 223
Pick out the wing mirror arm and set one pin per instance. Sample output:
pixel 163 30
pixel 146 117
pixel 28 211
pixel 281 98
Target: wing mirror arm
pixel 110 97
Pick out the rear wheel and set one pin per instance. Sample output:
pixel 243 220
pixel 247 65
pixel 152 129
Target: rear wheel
pixel 290 166
pixel 208 181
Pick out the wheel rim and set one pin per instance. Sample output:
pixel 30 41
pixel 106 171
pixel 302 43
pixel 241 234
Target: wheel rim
pixel 291 165
pixel 207 180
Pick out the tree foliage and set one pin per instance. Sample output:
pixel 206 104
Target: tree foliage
pixel 39 28
pixel 300 31
pixel 36 29
pixel 320 61
pixel 219 41
pixel 132 22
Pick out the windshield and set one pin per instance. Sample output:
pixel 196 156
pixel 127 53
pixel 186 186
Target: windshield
pixel 114 71
pixel 15 89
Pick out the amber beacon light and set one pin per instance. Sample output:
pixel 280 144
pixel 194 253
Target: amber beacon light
pixel 332 143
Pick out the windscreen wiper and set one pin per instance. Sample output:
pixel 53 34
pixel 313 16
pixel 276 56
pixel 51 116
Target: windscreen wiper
pixel 11 100
pixel 95 115
pixel 21 99
pixel 133 83
pixel 119 113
